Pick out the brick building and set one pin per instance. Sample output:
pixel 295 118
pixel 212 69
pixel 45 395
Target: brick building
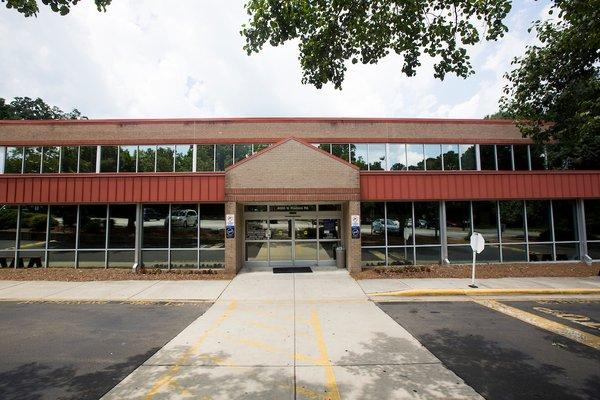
pixel 112 193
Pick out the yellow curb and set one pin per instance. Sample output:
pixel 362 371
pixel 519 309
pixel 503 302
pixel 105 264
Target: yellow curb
pixel 482 292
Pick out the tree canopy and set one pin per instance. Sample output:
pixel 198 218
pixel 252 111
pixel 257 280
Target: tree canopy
pixel 26 108
pixel 30 7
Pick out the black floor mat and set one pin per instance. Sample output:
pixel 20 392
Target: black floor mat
pixel 291 270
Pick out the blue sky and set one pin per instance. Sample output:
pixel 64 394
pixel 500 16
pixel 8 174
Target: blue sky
pixel 184 58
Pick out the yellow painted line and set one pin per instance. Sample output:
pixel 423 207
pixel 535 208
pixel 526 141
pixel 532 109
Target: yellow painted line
pixel 585 338
pixel 257 344
pixel 330 382
pixel 484 292
pixel 169 376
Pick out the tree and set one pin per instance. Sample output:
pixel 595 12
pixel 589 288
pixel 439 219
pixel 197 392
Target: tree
pixel 554 90
pixel 30 7
pixel 26 108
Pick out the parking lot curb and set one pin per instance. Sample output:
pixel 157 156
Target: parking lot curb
pixel 485 292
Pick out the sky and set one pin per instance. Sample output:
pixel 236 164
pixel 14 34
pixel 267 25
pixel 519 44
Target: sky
pixel 185 59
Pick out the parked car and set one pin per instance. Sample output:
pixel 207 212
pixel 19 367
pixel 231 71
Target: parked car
pixel 184 218
pixel 377 226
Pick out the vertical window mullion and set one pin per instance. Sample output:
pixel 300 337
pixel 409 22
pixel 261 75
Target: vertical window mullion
pixel 525 226
pixel 552 230
pixel 169 239
pixel 496 156
pixel 198 235
pixel 414 243
pixel 214 157
pixel 385 233
pixel 98 158
pixel 512 156
pixel 47 236
pixel 529 157
pixel 77 237
pixel 107 223
pixel 194 158
pixel 499 229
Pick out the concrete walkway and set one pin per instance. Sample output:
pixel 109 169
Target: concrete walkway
pixel 293 336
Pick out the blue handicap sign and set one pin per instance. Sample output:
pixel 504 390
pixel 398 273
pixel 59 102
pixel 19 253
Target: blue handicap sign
pixel 230 232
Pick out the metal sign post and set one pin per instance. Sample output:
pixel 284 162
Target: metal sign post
pixel 477 245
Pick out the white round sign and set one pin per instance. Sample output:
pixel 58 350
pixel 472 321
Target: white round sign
pixel 477 242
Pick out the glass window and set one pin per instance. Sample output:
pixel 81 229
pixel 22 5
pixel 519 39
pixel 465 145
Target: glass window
pixel 487 157
pixel 259 146
pixel 63 226
pixel 330 207
pixel 255 207
pixel 428 255
pixel 468 158
pixel 458 222
pixel 256 229
pixel 33 227
pixel 224 154
pixel 184 225
pixel 156 226
pixel 359 155
pixel 121 258
pixel 541 252
pixel 212 226
pixel 400 256
pixel 68 159
pixel 13 163
pixel 521 157
pixel 155 258
pixel 373 257
pixel 485 220
pixel 121 224
pixel 280 251
pixel 59 259
pixel 165 158
pixel 567 251
pixel 341 151
pixel 327 251
pixel 514 252
pixel 329 229
pixel 427 222
pixel 257 251
pixel 414 157
pixel 92 227
pixel 146 158
pixel 565 220
pixel 592 219
pixel 33 160
pixel 538 221
pixel 433 157
pixel 399 224
pixel 212 258
pixel 490 254
pixel 51 160
pixel 181 259
pixel 242 151
pixel 504 154
pixel 377 157
pixel 205 157
pixel 538 157
pixel 397 153
pixel 305 229
pixel 91 259
pixel 460 254
pixel 325 147
pixel 512 221
pixel 87 158
pixel 372 223
pixel 127 155
pixel 108 158
pixel 184 155
pixel 450 152
pixel 8 230
pixel 281 229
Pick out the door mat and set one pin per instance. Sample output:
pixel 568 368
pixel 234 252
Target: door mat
pixel 291 270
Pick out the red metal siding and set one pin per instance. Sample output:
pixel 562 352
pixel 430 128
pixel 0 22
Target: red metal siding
pixel 480 185
pixel 111 188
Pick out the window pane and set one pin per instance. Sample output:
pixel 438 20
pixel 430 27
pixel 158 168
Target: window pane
pixel 538 221
pixel 155 258
pixel 87 158
pixel 514 252
pixel 428 255
pixel 68 161
pixel 281 229
pixel 490 254
pixel 155 228
pixel 127 156
pixel 341 151
pixel 468 159
pixel 594 250
pixel 373 257
pixel 121 224
pixel 485 220
pixel 458 221
pixel 327 251
pixel 58 259
pixel 8 230
pixel 460 254
pixel 184 155
pixel 259 146
pixel 414 156
pixel 51 160
pixel 121 258
pixel 592 219
pixel 521 157
pixel 503 152
pixel 372 224
pixel 433 157
pixel 165 158
pixel 427 222
pixel 329 229
pixel 184 259
pixel 399 224
pixel 397 153
pixel 91 259
pixel 33 160
pixel 359 155
pixel 541 252
pixel 567 251
pixel 92 227
pixel 242 151
pixel 325 147
pixel 146 158
pixel 256 229
pixel 377 157
pixel 512 221
pixel 400 256
pixel 184 225
pixel 13 163
pixel 257 251
pixel 108 159
pixel 212 226
pixel 33 227
pixel 63 224
pixel 281 251
pixel 224 156
pixel 206 157
pixel 565 220
pixel 450 157
pixel 538 157
pixel 305 229
pixel 305 250
pixel 212 258
pixel 487 157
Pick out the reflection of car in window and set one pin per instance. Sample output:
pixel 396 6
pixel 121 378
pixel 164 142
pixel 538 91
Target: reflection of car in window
pixel 150 214
pixel 183 218
pixel 377 226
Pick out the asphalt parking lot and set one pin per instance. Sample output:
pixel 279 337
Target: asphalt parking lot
pixel 80 351
pixel 502 357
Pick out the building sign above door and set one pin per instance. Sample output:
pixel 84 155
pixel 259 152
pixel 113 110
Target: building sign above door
pixel 294 207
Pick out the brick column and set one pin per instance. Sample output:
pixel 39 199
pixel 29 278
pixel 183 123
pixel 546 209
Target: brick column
pixel 234 247
pixel 352 245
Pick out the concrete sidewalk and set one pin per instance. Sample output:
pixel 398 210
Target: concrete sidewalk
pixel 293 336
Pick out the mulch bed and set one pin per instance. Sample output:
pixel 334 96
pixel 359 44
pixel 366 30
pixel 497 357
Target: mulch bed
pixel 482 271
pixel 110 274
